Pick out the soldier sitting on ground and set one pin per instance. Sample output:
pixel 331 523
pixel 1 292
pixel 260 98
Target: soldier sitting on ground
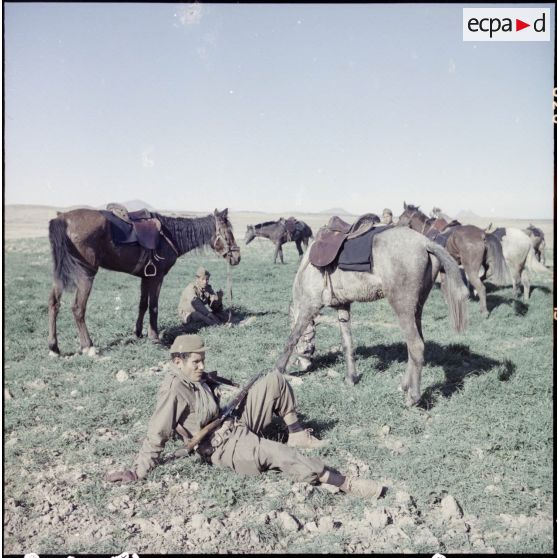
pixel 186 403
pixel 200 303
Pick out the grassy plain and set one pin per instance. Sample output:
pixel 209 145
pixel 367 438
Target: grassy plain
pixel 485 436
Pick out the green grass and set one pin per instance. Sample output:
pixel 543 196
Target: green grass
pixel 487 393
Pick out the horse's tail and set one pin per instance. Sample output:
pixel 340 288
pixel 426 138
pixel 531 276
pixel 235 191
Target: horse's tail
pixel 309 231
pixel 457 292
pixel 498 270
pixel 534 265
pixel 67 266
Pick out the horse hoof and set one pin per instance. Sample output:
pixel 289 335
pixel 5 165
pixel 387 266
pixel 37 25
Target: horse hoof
pixel 351 381
pixel 89 351
pixel 53 354
pixel 411 401
pixel 304 364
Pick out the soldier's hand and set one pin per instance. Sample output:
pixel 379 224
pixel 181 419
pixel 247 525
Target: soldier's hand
pixel 121 476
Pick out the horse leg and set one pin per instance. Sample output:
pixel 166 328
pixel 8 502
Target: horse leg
pixel 515 279
pixel 154 289
pixel 53 308
pixel 344 317
pixel 142 306
pixel 526 280
pixel 277 248
pixel 299 248
pixel 78 308
pixel 281 253
pixel 411 327
pixel 477 284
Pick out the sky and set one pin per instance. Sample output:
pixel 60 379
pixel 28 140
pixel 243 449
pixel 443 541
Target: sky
pixel 272 107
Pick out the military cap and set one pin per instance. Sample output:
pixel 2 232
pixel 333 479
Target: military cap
pixel 188 344
pixel 388 211
pixel 202 272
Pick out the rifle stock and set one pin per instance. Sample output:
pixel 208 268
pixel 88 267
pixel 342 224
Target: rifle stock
pixel 205 431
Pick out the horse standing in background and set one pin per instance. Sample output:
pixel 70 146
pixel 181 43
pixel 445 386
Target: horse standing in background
pixel 520 258
pixel 280 232
pixel 81 243
pixel 470 246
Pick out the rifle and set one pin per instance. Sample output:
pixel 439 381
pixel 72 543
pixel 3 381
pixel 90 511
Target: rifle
pixel 213 378
pixel 226 413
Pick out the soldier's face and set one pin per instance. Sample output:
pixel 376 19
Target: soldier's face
pixel 193 366
pixel 203 281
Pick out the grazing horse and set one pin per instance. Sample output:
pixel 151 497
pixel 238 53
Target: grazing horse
pixel 405 265
pixel 520 258
pixel 81 243
pixel 277 232
pixel 538 242
pixel 469 246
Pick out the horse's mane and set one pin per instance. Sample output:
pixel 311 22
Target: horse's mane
pixel 265 224
pixel 189 233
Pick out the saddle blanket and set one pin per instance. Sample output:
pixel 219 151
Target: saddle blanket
pixel 438 237
pixel 120 231
pixel 356 253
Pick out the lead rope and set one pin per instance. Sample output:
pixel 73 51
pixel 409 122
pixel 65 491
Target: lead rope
pixel 229 289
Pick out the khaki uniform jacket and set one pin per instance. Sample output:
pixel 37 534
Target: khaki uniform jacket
pixel 175 404
pixel 196 299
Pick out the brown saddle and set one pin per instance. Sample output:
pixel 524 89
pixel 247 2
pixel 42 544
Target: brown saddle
pixel 331 237
pixel 145 228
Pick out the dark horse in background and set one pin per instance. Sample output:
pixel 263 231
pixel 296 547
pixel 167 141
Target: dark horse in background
pixel 81 243
pixel 279 232
pixel 470 246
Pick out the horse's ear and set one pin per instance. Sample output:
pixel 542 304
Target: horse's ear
pixel 404 205
pixel 225 213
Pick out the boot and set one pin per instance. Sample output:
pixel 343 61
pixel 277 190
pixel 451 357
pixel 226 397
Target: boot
pixel 304 439
pixel 365 488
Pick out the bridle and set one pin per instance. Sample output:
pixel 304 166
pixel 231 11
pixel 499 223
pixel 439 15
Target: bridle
pixel 220 236
pixel 419 213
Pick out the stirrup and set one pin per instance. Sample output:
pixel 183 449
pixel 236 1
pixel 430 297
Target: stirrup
pixel 145 269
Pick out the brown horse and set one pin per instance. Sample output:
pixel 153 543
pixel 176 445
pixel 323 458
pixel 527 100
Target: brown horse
pixel 470 246
pixel 81 243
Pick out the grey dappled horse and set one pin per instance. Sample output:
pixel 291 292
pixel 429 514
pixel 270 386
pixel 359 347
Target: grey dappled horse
pixel 277 232
pixel 404 268
pixel 520 258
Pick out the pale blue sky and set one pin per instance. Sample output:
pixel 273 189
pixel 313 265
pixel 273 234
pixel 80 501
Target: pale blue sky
pixel 274 108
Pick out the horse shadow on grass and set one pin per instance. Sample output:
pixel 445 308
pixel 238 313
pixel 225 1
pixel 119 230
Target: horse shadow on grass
pixel 278 431
pixel 519 307
pixel 237 316
pixel 457 361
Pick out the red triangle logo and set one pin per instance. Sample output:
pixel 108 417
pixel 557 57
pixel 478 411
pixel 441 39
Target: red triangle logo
pixel 519 25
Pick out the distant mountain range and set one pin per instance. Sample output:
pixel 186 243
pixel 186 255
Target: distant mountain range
pixel 335 211
pixel 466 214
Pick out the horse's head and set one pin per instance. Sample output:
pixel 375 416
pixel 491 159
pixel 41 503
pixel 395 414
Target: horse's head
pixel 250 234
pixel 223 241
pixel 409 212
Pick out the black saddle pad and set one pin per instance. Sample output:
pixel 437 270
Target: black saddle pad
pixel 438 237
pixel 121 232
pixel 356 253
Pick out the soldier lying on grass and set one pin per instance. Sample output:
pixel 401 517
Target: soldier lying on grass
pixel 199 303
pixel 186 403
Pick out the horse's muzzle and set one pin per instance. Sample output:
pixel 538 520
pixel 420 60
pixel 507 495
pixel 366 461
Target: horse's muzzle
pixel 233 257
